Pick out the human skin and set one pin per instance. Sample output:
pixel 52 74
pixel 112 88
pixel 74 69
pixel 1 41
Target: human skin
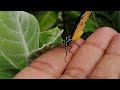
pixel 98 57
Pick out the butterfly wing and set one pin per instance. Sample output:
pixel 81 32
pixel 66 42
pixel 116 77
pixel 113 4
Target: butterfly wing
pixel 80 27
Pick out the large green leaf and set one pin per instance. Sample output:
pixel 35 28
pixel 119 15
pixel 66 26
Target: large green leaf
pixel 47 19
pixel 19 36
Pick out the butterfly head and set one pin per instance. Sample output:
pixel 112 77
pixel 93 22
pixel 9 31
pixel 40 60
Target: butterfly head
pixel 67 40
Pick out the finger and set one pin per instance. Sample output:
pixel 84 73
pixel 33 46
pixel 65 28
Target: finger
pixel 49 65
pixel 89 54
pixel 109 65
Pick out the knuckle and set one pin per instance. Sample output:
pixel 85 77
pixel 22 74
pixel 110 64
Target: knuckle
pixel 44 67
pixel 76 73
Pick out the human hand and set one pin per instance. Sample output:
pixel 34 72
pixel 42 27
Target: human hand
pixel 98 57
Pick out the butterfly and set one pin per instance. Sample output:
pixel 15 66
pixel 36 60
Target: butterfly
pixel 77 30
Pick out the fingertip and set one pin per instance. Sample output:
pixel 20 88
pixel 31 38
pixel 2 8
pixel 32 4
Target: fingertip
pixel 107 30
pixel 102 36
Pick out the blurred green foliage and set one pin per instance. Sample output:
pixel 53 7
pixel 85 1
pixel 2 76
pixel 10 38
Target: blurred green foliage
pixel 65 20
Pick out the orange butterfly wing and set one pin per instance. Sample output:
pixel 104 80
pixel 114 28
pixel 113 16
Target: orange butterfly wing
pixel 79 30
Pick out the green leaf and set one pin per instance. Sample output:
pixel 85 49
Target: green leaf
pixel 48 40
pixel 103 18
pixel 8 74
pixel 19 36
pixel 46 19
pixel 116 20
pixel 71 15
pixel 50 36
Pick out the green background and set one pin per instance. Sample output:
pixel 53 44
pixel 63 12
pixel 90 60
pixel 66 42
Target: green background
pixel 65 20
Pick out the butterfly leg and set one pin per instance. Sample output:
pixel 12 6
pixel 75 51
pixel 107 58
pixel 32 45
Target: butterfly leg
pixel 66 54
pixel 76 44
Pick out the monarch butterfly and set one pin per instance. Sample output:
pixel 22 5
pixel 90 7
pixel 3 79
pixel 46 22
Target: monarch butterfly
pixel 77 30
